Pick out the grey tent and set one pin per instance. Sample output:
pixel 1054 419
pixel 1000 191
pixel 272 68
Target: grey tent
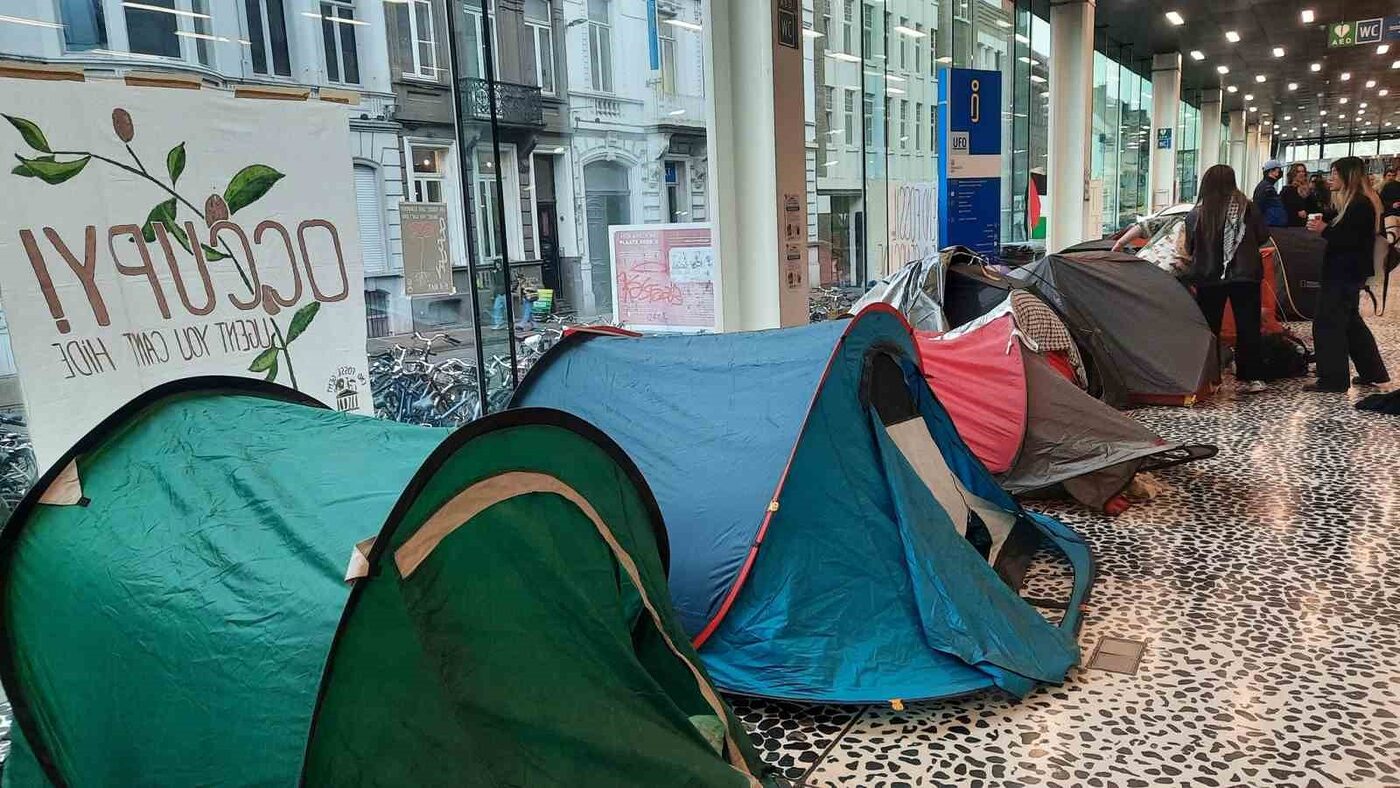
pixel 1030 422
pixel 1136 324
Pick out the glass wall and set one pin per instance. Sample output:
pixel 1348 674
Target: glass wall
pixel 1188 153
pixel 1120 146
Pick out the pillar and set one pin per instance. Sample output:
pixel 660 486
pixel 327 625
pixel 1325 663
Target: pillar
pixel 1071 113
pixel 1208 151
pixel 1250 174
pixel 1166 111
pixel 1266 143
pixel 1237 142
pixel 757 163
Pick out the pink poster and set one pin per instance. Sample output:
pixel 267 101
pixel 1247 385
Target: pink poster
pixel 663 277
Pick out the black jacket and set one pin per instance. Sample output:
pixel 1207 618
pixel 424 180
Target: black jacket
pixel 1390 196
pixel 1351 243
pixel 1294 204
pixel 1206 265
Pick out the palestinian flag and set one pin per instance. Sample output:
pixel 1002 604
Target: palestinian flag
pixel 1036 213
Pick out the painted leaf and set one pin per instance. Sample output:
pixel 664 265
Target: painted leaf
pixel 266 360
pixel 164 213
pixel 50 171
pixel 33 137
pixel 302 319
pixel 212 255
pixel 272 371
pixel 24 171
pixel 175 162
pixel 251 183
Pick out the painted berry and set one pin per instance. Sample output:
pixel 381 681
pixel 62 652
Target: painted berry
pixel 215 209
pixel 122 125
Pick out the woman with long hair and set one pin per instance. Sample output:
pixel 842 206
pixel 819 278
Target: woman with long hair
pixel 1295 195
pixel 1338 330
pixel 1224 233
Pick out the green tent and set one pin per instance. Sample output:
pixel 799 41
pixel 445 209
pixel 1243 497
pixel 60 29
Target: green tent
pixel 176 609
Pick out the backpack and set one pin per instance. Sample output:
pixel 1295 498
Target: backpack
pixel 1283 355
pixel 1385 259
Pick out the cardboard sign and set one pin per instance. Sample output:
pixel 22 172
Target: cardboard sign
pixel 427 263
pixel 663 277
pixel 153 234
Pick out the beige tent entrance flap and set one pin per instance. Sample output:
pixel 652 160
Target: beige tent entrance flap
pixel 66 489
pixel 917 446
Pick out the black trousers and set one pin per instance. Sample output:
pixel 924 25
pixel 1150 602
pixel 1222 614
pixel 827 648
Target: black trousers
pixel 1244 301
pixel 1339 333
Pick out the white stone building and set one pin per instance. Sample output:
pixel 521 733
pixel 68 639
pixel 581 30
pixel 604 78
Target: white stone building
pixel 637 148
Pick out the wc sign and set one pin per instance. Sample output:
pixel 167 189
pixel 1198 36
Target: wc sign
pixel 1364 31
pixel 1370 31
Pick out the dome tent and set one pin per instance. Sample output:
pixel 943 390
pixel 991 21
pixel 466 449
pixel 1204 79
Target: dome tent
pixel 197 586
pixel 1030 424
pixel 834 539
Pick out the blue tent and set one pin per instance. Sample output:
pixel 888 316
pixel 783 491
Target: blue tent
pixel 832 538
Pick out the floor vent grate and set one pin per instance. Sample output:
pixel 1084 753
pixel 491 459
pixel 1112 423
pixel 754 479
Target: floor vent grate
pixel 1118 655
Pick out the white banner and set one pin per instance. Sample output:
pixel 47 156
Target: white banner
pixel 151 234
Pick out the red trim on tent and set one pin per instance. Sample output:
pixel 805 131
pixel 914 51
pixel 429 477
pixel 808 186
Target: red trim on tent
pixel 981 380
pixel 749 560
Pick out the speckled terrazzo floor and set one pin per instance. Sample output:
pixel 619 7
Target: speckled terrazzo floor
pixel 1264 581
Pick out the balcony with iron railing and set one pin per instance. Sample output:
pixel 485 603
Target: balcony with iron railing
pixel 516 105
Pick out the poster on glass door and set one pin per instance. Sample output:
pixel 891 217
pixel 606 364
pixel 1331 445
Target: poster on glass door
pixel 152 234
pixel 663 277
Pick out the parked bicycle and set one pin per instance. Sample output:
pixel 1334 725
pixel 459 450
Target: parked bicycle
pixel 18 468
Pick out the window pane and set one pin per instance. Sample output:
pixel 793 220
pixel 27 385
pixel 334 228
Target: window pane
pixel 407 48
pixel 328 41
pixel 277 29
pixel 256 35
pixel 84 24
pixel 537 10
pixel 598 10
pixel 605 58
pixel 152 32
pixel 544 48
pixel 348 52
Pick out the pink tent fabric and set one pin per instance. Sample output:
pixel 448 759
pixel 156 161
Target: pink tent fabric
pixel 980 378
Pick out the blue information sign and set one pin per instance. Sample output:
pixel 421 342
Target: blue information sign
pixel 969 155
pixel 1392 28
pixel 1164 139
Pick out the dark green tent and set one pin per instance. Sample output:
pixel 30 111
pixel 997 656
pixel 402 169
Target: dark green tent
pixel 176 610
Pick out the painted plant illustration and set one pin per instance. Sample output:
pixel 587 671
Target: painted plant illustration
pixel 244 188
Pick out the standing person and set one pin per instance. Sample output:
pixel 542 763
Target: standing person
pixel 1266 198
pixel 1390 190
pixel 1320 201
pixel 1224 233
pixel 1338 330
pixel 1295 195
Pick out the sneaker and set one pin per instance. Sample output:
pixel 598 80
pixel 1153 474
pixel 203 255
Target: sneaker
pixel 1253 387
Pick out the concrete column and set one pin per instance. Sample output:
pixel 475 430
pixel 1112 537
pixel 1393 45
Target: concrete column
pixel 1166 111
pixel 1266 143
pixel 1237 161
pixel 757 166
pixel 1071 113
pixel 1250 174
pixel 1208 151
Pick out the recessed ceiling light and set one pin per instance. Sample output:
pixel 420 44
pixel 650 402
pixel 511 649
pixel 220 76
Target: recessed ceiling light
pixel 1175 18
pixel 1260 78
pixel 1382 49
pixel 1362 105
pixel 1197 54
pixel 1003 23
pixel 1370 83
pixel 1278 51
pixel 1315 67
pixel 1395 64
pixel 1232 36
pixel 1222 69
pixel 1321 112
pixel 1292 85
pixel 1253 109
pixel 1288 117
pixel 1382 92
pixel 1021 38
pixel 1307 16
pixel 1344 76
pixel 1231 89
pixel 1343 100
pixel 1249 97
